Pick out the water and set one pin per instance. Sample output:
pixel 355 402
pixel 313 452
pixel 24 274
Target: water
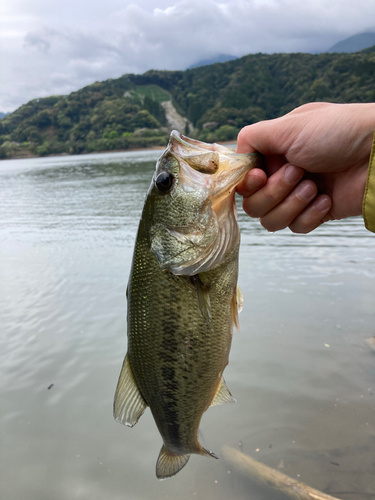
pixel 300 369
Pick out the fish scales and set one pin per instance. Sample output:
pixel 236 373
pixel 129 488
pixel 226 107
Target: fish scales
pixel 181 299
pixel 185 355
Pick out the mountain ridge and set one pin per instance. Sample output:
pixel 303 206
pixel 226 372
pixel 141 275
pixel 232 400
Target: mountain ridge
pixel 219 58
pixel 213 102
pixel 354 43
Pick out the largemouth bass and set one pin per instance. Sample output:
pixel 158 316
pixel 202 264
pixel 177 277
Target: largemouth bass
pixel 183 298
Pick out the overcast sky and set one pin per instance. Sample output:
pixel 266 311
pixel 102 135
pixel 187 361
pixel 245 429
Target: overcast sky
pixel 54 47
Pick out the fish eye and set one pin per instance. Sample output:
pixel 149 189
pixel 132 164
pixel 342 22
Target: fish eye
pixel 164 182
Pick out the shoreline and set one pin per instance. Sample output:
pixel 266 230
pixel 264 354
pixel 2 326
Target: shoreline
pixel 58 155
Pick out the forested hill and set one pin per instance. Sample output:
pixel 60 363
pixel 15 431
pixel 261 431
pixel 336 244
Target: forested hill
pixel 213 102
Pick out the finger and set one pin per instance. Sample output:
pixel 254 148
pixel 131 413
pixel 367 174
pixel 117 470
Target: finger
pixel 313 216
pixel 254 180
pixel 284 214
pixel 274 163
pixel 278 186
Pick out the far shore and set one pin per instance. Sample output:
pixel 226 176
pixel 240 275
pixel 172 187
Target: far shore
pixel 26 157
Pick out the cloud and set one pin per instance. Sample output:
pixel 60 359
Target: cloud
pixel 52 54
pixel 37 41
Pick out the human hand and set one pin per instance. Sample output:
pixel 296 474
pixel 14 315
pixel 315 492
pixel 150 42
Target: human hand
pixel 316 161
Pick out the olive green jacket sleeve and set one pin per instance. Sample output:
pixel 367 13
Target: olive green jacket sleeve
pixel 369 197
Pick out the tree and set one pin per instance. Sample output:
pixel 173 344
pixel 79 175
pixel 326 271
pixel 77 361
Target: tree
pixel 143 119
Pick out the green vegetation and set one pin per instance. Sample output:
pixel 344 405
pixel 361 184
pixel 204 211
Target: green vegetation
pixel 218 99
pixel 152 92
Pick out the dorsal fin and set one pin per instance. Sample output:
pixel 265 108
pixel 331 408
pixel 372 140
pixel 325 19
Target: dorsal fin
pixel 129 404
pixel 223 395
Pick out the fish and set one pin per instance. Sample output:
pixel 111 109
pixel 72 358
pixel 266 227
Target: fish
pixel 183 297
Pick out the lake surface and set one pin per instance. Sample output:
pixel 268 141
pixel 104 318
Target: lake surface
pixel 300 368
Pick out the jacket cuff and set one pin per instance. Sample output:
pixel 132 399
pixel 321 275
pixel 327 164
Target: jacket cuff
pixel 368 208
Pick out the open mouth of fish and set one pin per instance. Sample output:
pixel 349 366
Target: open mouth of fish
pixel 211 166
pixel 207 174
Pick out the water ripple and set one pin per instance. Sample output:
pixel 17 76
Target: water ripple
pixel 67 230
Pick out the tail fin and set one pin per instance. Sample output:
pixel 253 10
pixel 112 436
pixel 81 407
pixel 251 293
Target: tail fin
pixel 169 464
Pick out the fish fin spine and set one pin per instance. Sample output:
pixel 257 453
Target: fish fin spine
pixel 237 305
pixel 129 404
pixel 208 453
pixel 239 296
pixel 223 395
pixel 169 464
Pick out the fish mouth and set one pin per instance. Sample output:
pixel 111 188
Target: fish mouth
pixel 208 175
pixel 212 166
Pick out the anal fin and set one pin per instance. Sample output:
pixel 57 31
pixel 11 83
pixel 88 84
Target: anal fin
pixel 129 404
pixel 169 464
pixel 223 395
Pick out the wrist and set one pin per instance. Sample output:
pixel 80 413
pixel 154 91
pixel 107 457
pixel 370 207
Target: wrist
pixel 368 204
pixel 364 121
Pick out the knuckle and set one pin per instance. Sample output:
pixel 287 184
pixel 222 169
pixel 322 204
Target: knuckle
pixel 301 227
pixel 272 226
pixel 270 198
pixel 252 212
pixel 249 208
pixel 243 132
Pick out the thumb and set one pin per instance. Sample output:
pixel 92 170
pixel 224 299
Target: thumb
pixel 268 137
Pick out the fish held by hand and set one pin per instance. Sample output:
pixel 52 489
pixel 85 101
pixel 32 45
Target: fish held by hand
pixel 183 298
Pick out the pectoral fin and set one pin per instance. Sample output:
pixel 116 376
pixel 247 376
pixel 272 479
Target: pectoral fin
pixel 203 297
pixel 129 404
pixel 237 305
pixel 223 395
